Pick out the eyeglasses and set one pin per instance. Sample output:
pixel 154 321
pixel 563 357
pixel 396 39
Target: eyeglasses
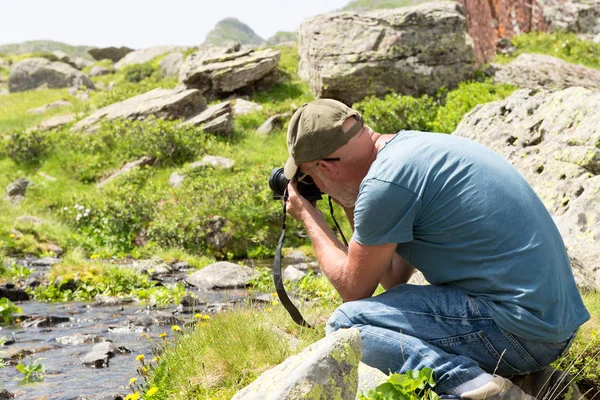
pixel 303 177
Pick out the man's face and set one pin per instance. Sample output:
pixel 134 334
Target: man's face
pixel 336 187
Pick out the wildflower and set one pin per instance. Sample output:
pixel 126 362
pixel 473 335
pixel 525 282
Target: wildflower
pixel 163 335
pixel 152 391
pixel 94 256
pixel 197 316
pixel 268 309
pixel 133 396
pixel 155 359
pixel 274 294
pixel 132 381
pixel 12 235
pixel 78 217
pixel 176 328
pixel 320 294
pixel 274 303
pixel 65 208
pixel 205 317
pixel 140 357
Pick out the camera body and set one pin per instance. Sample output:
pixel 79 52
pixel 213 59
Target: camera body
pixel 278 184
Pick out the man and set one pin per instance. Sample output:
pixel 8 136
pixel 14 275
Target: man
pixel 502 297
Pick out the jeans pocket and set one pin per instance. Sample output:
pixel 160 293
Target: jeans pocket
pixel 478 348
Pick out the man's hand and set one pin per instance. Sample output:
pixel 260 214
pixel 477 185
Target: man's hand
pixel 297 206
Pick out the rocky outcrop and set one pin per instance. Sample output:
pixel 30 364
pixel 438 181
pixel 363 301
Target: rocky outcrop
pixel 217 119
pixel 243 107
pixel 414 50
pixel 33 73
pixel 579 16
pixel 50 106
pixel 55 122
pixel 232 29
pixel 219 72
pixel 171 63
pixel 276 121
pixel 539 71
pixel 15 192
pixel 161 103
pixel 146 55
pixel 328 369
pixel 553 139
pixel 111 53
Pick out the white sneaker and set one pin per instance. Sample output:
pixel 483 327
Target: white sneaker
pixel 498 388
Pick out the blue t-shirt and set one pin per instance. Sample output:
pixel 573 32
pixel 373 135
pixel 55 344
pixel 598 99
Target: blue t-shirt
pixel 465 218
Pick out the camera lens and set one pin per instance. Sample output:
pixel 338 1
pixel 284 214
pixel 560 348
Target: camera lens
pixel 277 182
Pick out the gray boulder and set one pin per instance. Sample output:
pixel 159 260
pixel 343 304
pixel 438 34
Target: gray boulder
pixel 214 162
pixel 217 119
pixel 15 192
pixel 65 58
pixel 579 16
pixel 539 71
pixel 81 63
pixel 171 64
pixel 411 50
pixel 50 106
pixel 99 355
pixel 217 73
pixel 328 369
pixel 161 103
pixel 552 140
pixel 98 70
pixel 33 73
pixel 243 107
pixel 55 122
pixel 111 53
pixel 146 55
pixel 276 121
pixel 222 275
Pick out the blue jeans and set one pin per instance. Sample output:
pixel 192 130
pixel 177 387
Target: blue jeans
pixel 411 327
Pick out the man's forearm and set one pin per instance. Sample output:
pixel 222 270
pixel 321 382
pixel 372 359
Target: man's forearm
pixel 399 272
pixel 330 252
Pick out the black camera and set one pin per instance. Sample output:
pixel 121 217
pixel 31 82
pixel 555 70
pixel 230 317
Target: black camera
pixel 278 184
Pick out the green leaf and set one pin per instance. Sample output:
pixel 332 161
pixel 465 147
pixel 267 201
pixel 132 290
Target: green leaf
pixel 21 368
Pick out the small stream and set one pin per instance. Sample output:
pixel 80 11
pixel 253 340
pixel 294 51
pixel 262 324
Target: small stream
pixel 131 327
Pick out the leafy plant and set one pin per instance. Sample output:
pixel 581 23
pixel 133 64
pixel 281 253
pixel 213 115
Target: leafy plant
pixel 413 385
pixel 8 310
pixel 138 72
pixel 32 372
pixel 23 146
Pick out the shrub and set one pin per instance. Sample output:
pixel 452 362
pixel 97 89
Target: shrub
pixel 24 147
pixel 395 112
pixel 135 73
pixel 8 310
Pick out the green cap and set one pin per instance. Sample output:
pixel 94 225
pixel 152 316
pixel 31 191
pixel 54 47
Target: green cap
pixel 315 131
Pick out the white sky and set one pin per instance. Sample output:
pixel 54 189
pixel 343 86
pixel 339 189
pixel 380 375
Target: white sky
pixel 145 23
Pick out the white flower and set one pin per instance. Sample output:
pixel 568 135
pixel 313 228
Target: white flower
pixel 78 217
pixel 87 210
pixel 65 209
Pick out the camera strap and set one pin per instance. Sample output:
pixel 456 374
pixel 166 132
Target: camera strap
pixel 278 278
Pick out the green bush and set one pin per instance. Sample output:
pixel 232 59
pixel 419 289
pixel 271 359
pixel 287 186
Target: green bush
pixel 395 112
pixel 24 147
pixel 135 73
pixel 8 310
pixel 125 90
pixel 441 113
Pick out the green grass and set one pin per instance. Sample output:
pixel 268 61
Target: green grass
pixel 215 358
pixel 566 46
pixel 14 107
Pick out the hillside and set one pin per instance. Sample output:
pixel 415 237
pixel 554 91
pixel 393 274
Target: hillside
pixel 34 46
pixel 366 5
pixel 232 29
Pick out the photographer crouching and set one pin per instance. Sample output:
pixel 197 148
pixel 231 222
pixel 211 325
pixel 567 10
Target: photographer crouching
pixel 502 299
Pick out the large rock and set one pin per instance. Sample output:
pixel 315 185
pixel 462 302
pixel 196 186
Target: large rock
pixel 217 119
pixel 539 71
pixel 219 73
pixel 98 70
pixel 146 55
pixel 222 275
pixel 111 53
pixel 33 73
pixel 328 369
pixel 411 50
pixel 58 121
pixel 553 139
pixel 171 63
pixel 141 162
pixel 579 16
pixel 161 103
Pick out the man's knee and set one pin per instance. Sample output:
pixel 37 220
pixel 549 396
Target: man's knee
pixel 341 318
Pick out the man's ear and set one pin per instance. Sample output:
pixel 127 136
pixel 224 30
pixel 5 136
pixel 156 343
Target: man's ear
pixel 330 167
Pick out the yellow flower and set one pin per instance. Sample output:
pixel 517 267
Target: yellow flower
pixel 133 396
pixel 176 328
pixel 205 317
pixel 268 309
pixel 140 357
pixel 274 294
pixel 155 359
pixel 197 316
pixel 319 293
pixel 274 303
pixel 151 391
pixel 163 335
pixel 132 380
pixel 12 235
pixel 94 256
